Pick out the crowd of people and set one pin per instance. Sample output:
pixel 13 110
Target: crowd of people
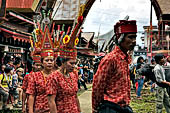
pixel 11 77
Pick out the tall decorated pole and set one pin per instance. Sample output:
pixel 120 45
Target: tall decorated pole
pixel 151 36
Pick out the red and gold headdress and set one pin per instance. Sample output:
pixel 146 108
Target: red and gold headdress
pixel 44 45
pixel 56 43
pixel 41 41
pixel 36 58
pixel 47 47
pixel 69 42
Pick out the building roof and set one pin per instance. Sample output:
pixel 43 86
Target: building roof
pixel 105 38
pixel 95 40
pixel 162 8
pixel 87 35
pixel 22 5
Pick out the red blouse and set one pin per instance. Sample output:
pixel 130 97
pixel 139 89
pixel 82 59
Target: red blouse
pixel 25 81
pixel 37 86
pixel 65 89
pixel 25 85
pixel 112 79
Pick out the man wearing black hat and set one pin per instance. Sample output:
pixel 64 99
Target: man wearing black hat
pixel 111 86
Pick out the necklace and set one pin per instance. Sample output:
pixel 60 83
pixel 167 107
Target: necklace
pixel 44 77
pixel 68 76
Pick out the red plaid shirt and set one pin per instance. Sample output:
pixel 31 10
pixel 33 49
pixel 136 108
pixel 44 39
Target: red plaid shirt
pixel 65 91
pixel 37 87
pixel 112 79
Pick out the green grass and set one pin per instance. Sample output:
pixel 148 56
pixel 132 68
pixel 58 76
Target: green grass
pixel 10 111
pixel 146 105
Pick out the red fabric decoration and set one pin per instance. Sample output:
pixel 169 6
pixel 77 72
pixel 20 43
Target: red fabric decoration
pixel 125 26
pixel 37 58
pixel 47 52
pixel 80 19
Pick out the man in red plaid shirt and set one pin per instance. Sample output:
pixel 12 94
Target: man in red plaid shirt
pixel 111 85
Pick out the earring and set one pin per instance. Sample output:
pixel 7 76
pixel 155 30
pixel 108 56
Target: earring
pixel 64 71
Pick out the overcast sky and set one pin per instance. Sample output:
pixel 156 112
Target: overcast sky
pixel 107 12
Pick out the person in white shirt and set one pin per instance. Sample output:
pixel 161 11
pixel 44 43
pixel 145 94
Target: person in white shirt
pixel 161 91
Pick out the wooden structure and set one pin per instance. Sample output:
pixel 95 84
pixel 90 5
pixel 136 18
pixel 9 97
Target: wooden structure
pixel 16 27
pixel 163 16
pixel 2 10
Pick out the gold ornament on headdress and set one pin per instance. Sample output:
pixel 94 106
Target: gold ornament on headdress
pixel 66 39
pixel 76 41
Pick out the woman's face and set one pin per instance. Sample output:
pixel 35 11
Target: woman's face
pixel 70 64
pixel 48 62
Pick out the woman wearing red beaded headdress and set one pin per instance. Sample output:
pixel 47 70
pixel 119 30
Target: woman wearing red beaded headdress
pixel 62 86
pixel 38 102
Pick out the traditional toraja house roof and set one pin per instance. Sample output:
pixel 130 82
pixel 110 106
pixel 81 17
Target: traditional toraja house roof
pixel 86 45
pixel 86 52
pixel 17 26
pixel 19 17
pixel 87 36
pixel 162 8
pixel 105 40
pixel 86 40
pixel 23 5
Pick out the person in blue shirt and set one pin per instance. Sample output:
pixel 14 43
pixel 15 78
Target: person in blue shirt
pixel 81 80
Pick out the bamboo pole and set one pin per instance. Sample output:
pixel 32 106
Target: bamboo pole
pixel 151 31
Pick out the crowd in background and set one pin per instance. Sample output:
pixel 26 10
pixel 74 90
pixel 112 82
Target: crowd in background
pixel 86 71
pixel 13 70
pixel 11 77
pixel 147 77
